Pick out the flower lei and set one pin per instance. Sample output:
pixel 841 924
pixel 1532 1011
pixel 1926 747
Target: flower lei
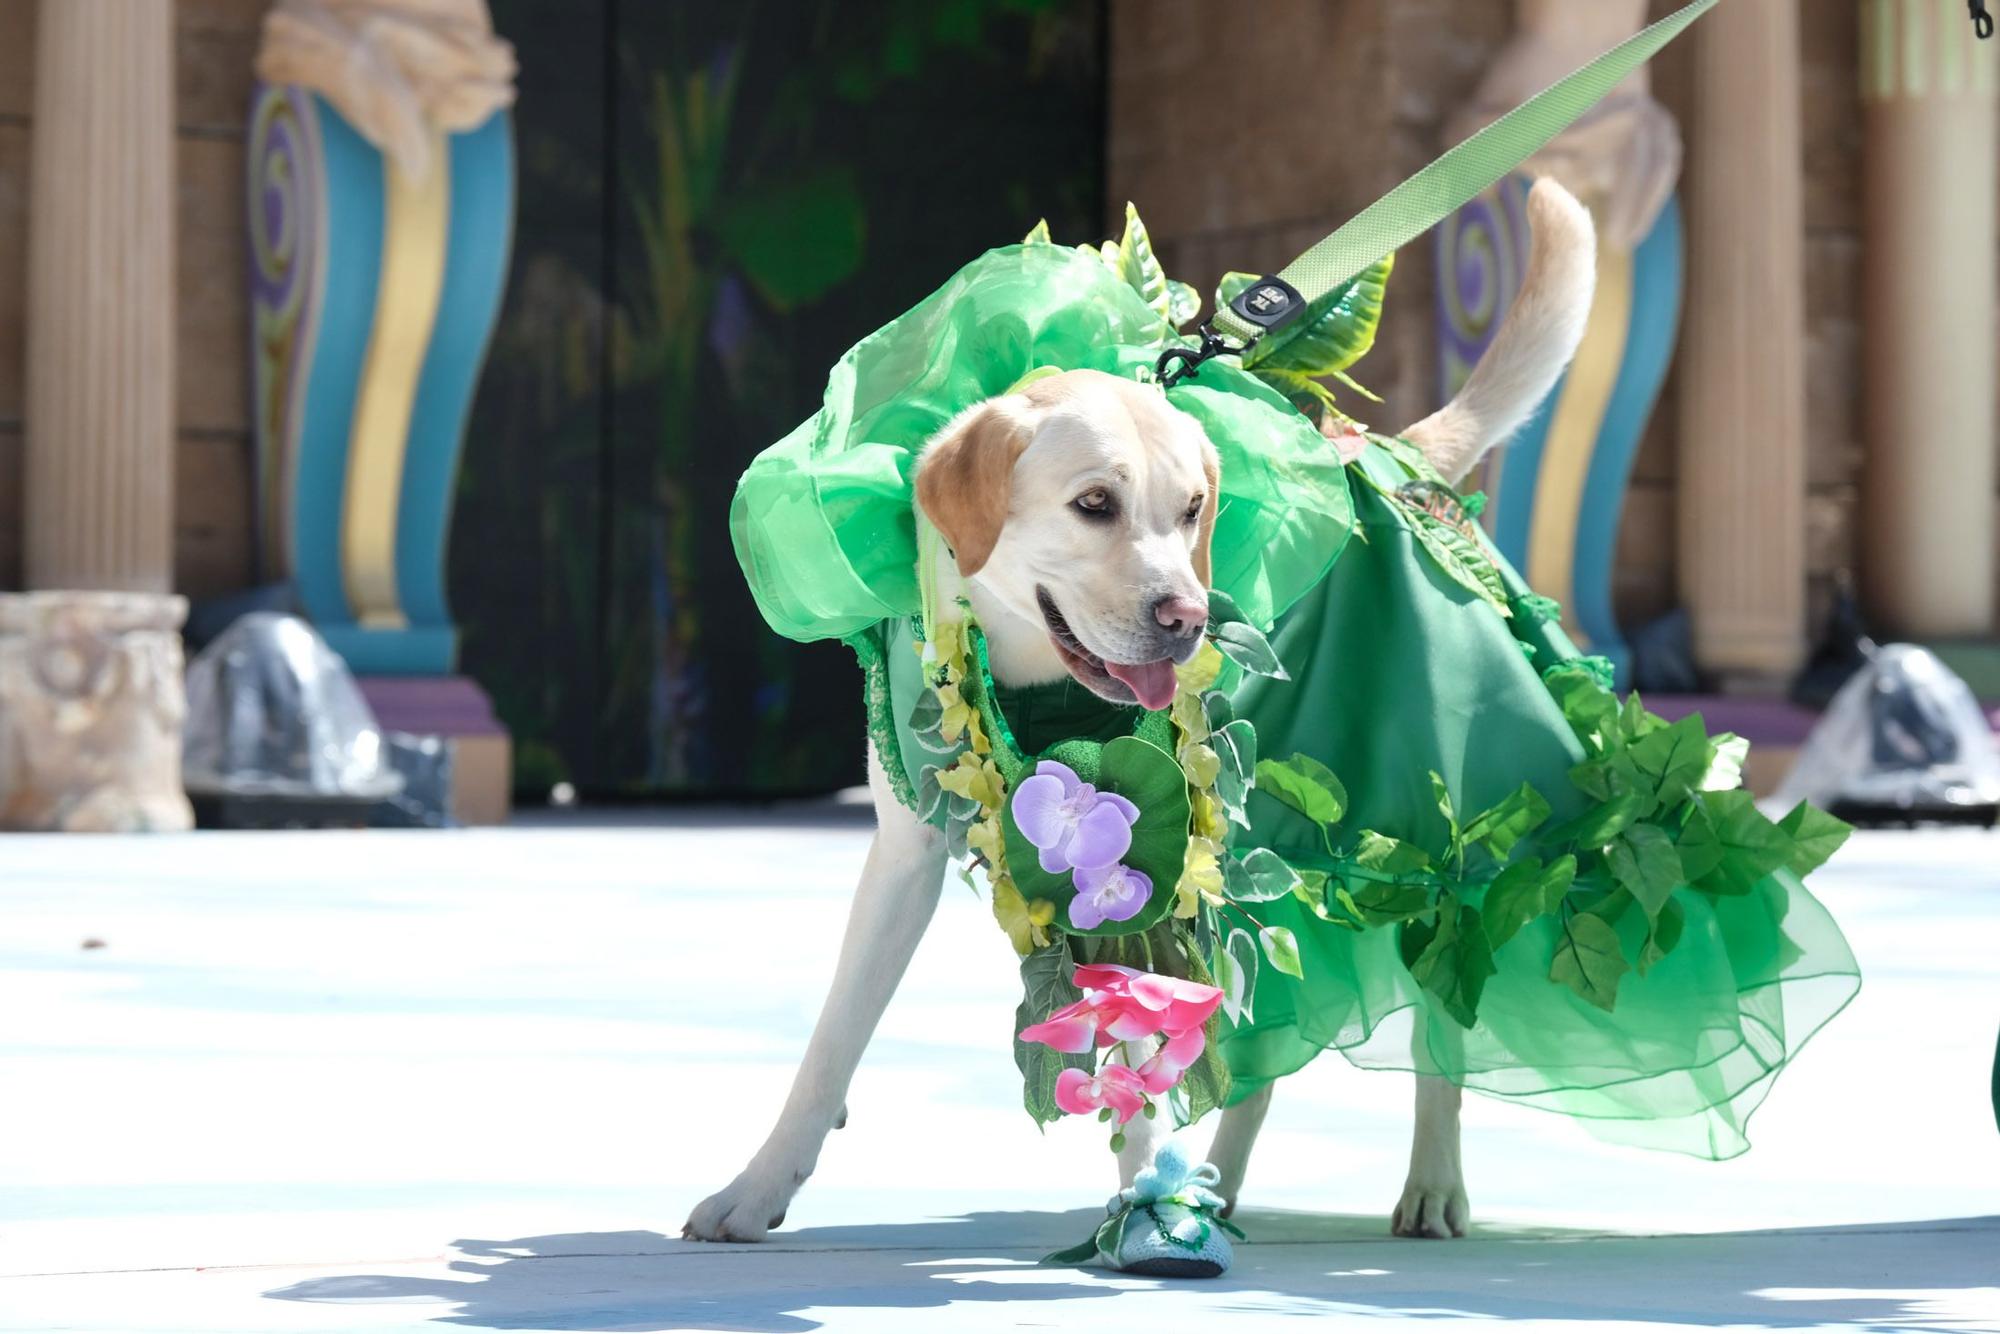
pixel 1084 999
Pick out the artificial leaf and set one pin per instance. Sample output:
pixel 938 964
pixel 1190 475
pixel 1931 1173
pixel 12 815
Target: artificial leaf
pixel 1589 960
pixel 1241 950
pixel 1243 644
pixel 1725 771
pixel 1038 234
pixel 1441 793
pixel 1700 850
pixel 1524 891
pixel 1183 302
pixel 1456 962
pixel 1220 712
pixel 1751 846
pixel 1816 836
pixel 1635 722
pixel 1358 387
pixel 1501 826
pixel 1414 938
pixel 1379 904
pixel 1282 950
pixel 1232 787
pixel 1664 935
pixel 929 794
pixel 1236 743
pixel 1140 267
pixel 1601 823
pixel 1460 558
pixel 1229 979
pixel 1204 1086
pixel 1334 332
pixel 1590 709
pixel 1645 862
pixel 1389 856
pixel 927 713
pixel 1601 779
pixel 1046 988
pixel 1222 608
pixel 1306 785
pixel 1258 876
pixel 1672 761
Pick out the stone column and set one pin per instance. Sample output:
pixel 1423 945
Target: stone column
pixel 1742 352
pixel 91 695
pixel 99 465
pixel 1929 188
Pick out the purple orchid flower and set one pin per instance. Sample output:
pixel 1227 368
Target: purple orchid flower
pixel 1113 893
pixel 1070 822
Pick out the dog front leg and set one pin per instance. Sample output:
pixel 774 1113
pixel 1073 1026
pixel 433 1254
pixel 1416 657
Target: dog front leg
pixel 897 895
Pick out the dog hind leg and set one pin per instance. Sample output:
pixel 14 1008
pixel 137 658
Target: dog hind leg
pixel 1234 1139
pixel 1434 1203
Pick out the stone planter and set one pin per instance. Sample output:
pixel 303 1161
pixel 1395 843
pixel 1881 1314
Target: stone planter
pixel 91 702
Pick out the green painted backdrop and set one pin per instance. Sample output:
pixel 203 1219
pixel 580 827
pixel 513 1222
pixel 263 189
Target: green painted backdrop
pixel 716 201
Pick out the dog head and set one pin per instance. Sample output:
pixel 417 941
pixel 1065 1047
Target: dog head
pixel 1085 505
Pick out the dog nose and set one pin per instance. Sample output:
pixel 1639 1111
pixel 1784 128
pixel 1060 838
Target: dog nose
pixel 1184 618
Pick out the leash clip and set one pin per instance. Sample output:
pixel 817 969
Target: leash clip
pixel 1982 22
pixel 1182 363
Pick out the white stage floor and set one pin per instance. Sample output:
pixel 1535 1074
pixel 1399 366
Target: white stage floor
pixel 400 1081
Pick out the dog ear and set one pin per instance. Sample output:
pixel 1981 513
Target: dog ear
pixel 1204 538
pixel 965 478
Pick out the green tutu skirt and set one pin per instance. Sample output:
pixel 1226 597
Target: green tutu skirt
pixel 1401 671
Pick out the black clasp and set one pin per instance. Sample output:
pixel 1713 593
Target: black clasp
pixel 1982 22
pixel 1181 363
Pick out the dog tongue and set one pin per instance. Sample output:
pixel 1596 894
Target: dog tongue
pixel 1152 682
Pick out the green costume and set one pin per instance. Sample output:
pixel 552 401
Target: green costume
pixel 1525 886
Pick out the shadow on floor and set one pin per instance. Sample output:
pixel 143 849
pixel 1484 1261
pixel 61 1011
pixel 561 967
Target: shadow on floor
pixel 1921 1276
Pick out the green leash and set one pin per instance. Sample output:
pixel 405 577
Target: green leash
pixel 1268 305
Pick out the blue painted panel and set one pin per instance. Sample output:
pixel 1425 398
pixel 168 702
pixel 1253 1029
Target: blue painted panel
pixel 1649 347
pixel 478 247
pixel 353 240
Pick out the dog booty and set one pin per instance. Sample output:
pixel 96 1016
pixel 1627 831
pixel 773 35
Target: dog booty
pixel 1172 1241
pixel 1167 1224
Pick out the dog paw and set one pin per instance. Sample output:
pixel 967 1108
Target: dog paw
pixel 1437 1210
pixel 744 1210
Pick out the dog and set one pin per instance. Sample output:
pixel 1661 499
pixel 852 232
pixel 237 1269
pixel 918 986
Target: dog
pixel 1078 513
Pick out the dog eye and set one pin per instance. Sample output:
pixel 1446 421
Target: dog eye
pixel 1096 503
pixel 1193 510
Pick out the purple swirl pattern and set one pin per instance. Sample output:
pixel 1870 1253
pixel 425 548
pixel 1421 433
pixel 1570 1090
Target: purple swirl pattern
pixel 1481 250
pixel 286 259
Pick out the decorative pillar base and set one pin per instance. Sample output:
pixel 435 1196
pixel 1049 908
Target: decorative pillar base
pixel 91 702
pixel 455 709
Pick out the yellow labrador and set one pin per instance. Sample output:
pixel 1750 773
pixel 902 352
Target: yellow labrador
pixel 1078 513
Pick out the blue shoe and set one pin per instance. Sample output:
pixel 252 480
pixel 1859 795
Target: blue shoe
pixel 1167 1224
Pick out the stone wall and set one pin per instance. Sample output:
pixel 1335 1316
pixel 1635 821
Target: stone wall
pixel 215 41
pixel 1242 170
pixel 1242 135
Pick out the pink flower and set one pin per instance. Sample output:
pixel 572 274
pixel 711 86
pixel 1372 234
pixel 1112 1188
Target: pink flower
pixel 1115 1086
pixel 1169 1005
pixel 1171 1061
pixel 1123 1005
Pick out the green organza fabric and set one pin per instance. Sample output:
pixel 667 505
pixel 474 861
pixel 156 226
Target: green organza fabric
pixel 1401 671
pixel 822 521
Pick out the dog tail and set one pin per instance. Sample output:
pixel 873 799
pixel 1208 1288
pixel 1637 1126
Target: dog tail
pixel 1535 341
